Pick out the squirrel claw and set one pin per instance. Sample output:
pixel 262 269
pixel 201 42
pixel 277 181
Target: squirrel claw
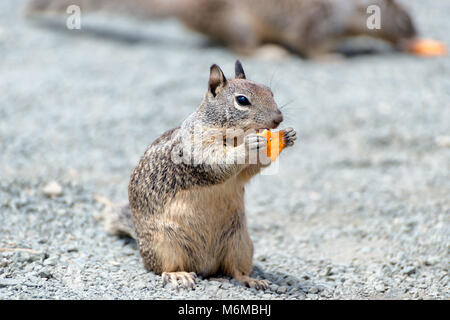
pixel 187 279
pixel 257 284
pixel 254 283
pixel 289 136
pixel 255 142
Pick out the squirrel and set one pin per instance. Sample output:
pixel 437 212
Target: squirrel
pixel 189 218
pixel 310 28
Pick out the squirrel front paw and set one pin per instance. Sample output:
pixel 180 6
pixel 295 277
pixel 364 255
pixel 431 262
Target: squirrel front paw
pixel 289 136
pixel 254 142
pixel 256 149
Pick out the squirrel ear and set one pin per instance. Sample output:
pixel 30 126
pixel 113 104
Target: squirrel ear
pixel 239 71
pixel 216 79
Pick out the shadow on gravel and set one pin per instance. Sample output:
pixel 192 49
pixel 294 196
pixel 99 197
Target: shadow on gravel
pixel 55 24
pixel 281 282
pixel 127 241
pixel 109 34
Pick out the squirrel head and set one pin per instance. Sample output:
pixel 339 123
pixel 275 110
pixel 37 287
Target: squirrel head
pixel 238 102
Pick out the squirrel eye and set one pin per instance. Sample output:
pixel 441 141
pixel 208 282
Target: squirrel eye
pixel 242 100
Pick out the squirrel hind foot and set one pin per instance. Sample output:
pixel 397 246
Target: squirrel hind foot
pixel 187 279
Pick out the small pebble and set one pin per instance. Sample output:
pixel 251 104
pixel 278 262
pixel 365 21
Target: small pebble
pixel 282 289
pixel 53 189
pixel 442 141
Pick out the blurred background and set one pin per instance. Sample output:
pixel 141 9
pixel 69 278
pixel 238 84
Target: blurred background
pixel 360 205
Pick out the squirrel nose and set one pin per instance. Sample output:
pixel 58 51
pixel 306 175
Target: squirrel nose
pixel 277 120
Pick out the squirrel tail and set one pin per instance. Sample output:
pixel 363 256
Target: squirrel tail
pixel 146 9
pixel 116 218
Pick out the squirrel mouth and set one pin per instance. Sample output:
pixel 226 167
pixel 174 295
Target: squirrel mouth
pixel 272 126
pixel 273 123
pixel 261 129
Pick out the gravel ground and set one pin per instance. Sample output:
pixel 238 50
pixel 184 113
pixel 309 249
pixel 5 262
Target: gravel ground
pixel 359 208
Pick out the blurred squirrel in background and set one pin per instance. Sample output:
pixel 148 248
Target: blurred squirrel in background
pixel 310 28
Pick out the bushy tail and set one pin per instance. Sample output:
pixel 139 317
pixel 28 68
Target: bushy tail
pixel 117 218
pixel 151 9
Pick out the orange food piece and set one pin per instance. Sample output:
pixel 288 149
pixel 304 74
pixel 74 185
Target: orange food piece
pixel 275 143
pixel 427 47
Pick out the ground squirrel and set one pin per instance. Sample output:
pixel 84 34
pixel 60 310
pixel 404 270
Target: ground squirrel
pixel 310 28
pixel 189 217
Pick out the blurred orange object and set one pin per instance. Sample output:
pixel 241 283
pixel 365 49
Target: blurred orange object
pixel 275 143
pixel 427 47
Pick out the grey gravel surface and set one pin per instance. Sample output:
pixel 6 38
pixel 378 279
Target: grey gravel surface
pixel 359 208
